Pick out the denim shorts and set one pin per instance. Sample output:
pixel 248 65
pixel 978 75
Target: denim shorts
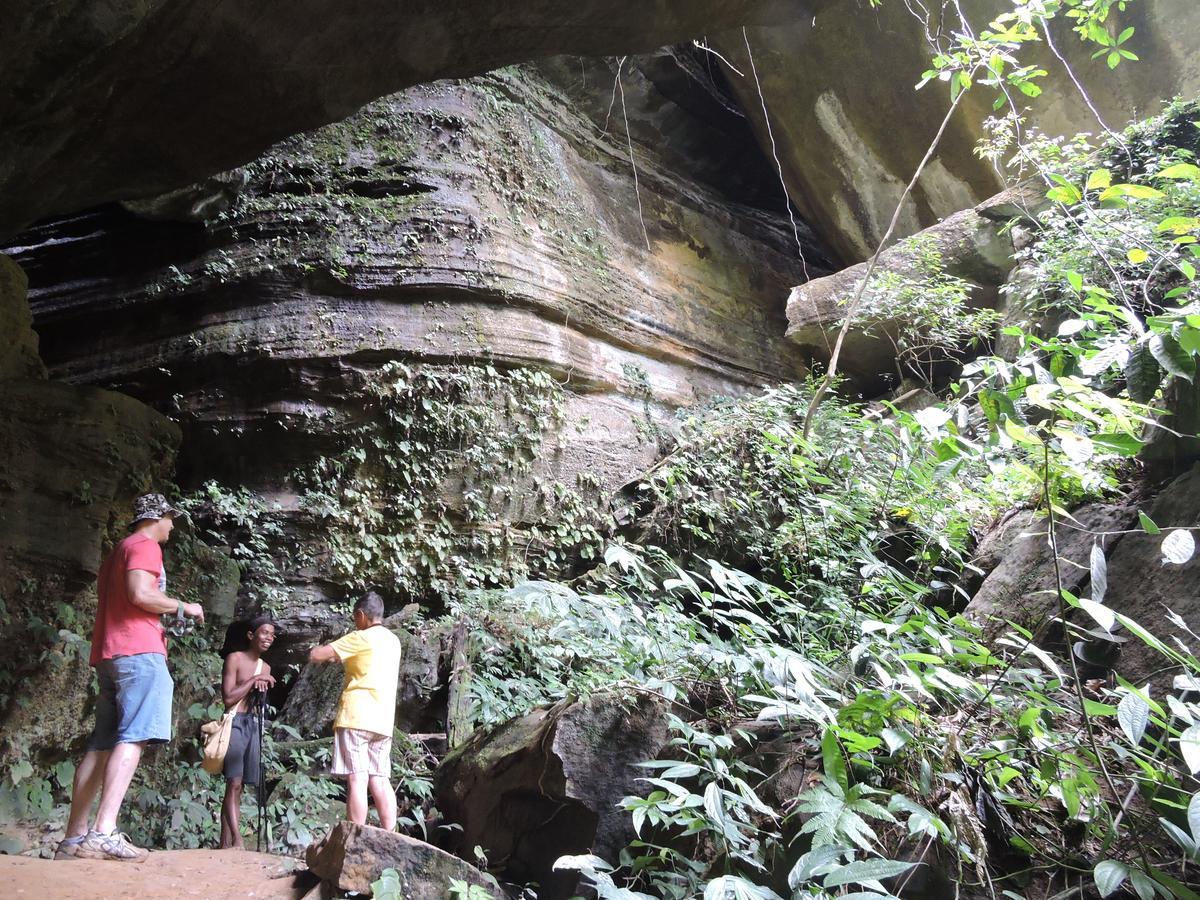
pixel 134 705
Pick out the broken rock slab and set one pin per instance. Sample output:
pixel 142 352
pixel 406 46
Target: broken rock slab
pixel 968 244
pixel 1021 585
pixel 549 784
pixel 352 856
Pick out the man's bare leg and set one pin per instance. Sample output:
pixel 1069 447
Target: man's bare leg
pixel 385 801
pixel 231 816
pixel 89 778
pixel 118 772
pixel 356 798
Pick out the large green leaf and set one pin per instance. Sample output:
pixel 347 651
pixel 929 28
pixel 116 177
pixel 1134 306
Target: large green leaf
pixel 1110 875
pixel 1117 442
pixel 1181 170
pixel 1133 713
pixel 865 870
pixel 1172 357
pixel 1142 374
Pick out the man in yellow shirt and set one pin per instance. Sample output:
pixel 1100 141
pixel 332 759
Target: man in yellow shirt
pixel 362 731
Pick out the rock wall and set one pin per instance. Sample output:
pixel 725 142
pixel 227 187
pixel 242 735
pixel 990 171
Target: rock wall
pixel 71 461
pixel 490 221
pixel 851 131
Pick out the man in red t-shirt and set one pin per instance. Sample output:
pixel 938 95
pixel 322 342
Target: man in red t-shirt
pixel 129 653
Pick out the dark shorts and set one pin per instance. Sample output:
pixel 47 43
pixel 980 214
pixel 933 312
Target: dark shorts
pixel 245 749
pixel 134 705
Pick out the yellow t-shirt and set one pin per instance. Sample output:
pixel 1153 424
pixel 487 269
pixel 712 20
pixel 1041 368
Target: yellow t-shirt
pixel 371 658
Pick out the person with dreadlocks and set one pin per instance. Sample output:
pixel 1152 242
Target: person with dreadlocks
pixel 244 683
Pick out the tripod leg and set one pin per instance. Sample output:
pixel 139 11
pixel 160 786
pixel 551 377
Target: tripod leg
pixel 261 788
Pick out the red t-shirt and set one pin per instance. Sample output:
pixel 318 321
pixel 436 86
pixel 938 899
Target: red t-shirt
pixel 123 629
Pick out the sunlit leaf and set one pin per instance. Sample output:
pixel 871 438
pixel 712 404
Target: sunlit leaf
pixel 1133 714
pixel 1103 616
pixel 1185 171
pixel 1099 572
pixel 1172 357
pixel 1178 546
pixel 1189 746
pixel 1109 876
pixel 862 871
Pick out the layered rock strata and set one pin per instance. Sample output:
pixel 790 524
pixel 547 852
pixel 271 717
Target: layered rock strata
pixel 486 222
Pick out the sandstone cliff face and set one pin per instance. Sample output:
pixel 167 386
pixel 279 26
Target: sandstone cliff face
pixel 488 222
pixel 71 461
pixel 850 130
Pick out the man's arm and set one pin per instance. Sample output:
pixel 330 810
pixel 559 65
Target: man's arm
pixel 142 587
pixel 323 654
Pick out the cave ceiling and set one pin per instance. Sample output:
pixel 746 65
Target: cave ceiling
pixel 129 99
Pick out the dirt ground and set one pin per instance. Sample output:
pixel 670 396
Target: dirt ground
pixel 212 874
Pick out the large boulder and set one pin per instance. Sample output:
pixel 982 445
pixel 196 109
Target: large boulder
pixel 850 131
pixel 549 783
pixel 967 245
pixel 352 856
pixel 1021 587
pixel 1143 586
pixel 217 84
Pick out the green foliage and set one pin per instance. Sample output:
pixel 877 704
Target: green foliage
pixel 426 497
pixel 440 486
pixel 461 890
pixel 924 312
pixel 992 56
pixel 388 886
pixel 917 723
pixel 745 485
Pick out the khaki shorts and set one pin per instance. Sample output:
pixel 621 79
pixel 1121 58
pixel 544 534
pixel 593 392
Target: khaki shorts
pixel 357 752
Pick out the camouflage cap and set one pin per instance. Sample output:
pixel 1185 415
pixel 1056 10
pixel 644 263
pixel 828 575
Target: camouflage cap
pixel 151 506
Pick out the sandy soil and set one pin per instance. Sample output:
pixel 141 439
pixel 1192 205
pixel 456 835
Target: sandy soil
pixel 212 874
